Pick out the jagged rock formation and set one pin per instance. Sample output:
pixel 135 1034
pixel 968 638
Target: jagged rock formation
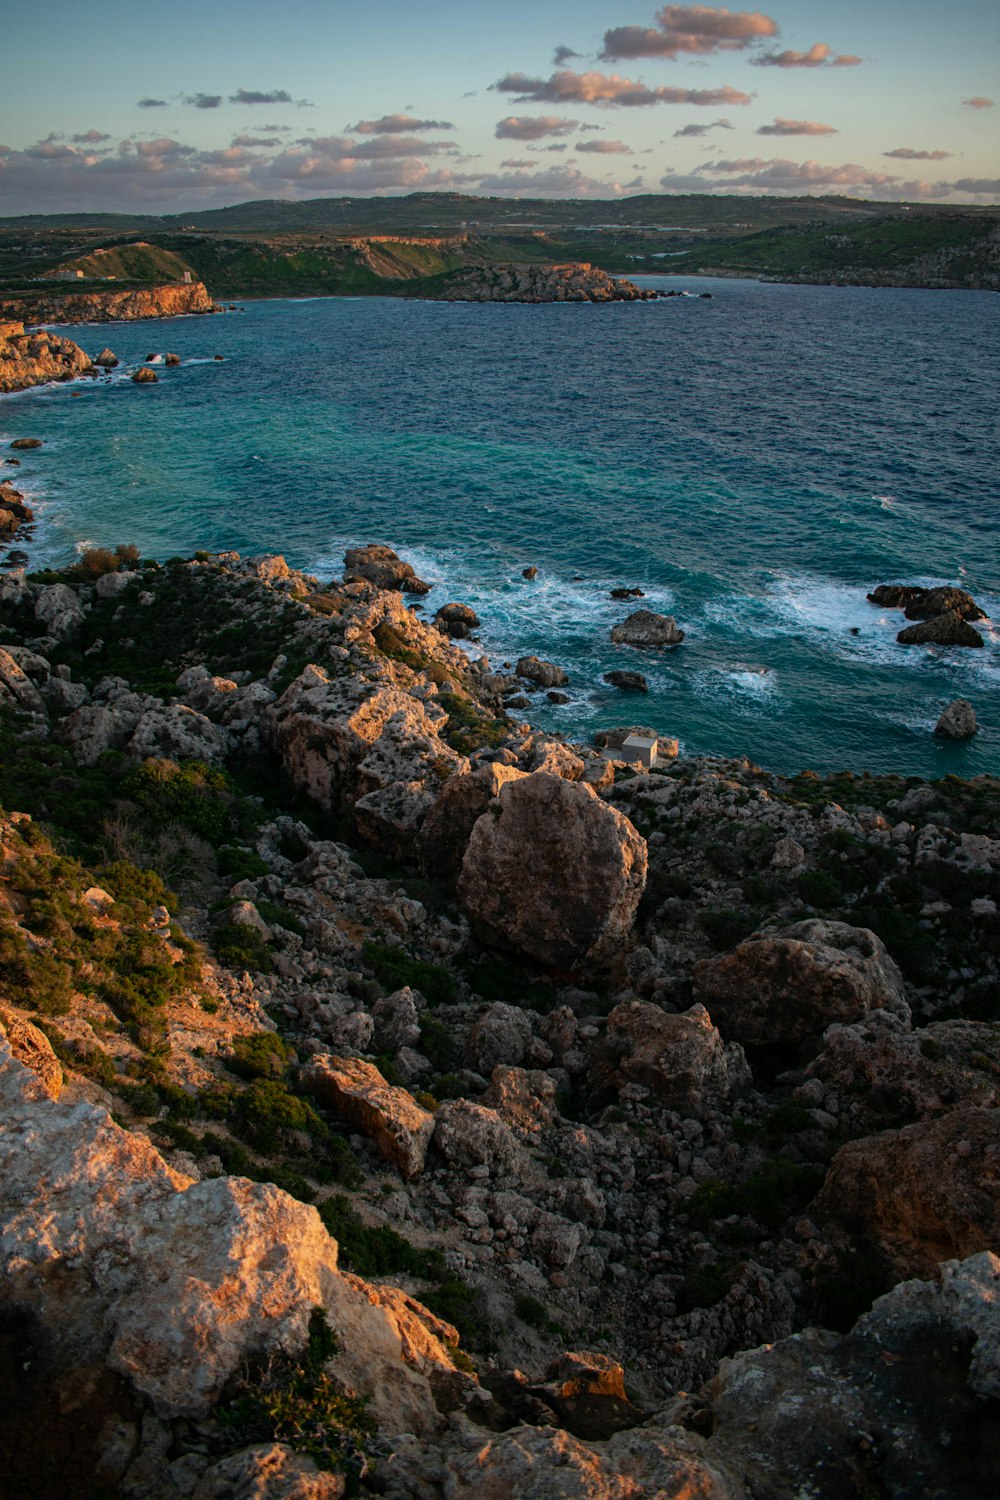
pixel 577 281
pixel 646 628
pixel 174 300
pixel 28 359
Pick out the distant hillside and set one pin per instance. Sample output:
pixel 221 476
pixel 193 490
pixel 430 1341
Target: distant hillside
pixel 957 250
pixel 137 261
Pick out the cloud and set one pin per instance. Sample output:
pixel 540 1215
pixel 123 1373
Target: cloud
pixel 605 148
pixel 778 175
pixel 514 164
pixel 552 182
pixel 696 29
pixel 609 89
pixel 563 55
pixel 256 96
pixel 796 127
pixel 381 148
pixel 704 129
pixel 91 137
pixel 255 140
pixel 152 104
pixel 818 56
pixel 533 127
pixel 907 153
pixel 979 101
pixel 988 185
pixel 203 101
pixel 396 124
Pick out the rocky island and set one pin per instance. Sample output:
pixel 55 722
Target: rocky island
pixel 576 281
pixel 398 1100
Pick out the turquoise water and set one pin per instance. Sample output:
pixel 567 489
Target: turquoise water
pixel 754 462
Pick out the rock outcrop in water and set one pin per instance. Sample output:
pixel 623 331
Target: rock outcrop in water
pixel 576 281
pixel 28 359
pixel 174 300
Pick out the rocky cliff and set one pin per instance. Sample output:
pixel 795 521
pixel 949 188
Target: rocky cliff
pixel 576 281
pixel 28 359
pixel 174 300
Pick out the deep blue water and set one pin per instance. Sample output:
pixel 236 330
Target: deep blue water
pixel 755 462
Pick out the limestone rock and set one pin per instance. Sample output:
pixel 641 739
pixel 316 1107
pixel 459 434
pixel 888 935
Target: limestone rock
pixel 784 984
pixel 177 732
pixel 33 1048
pixel 145 376
pixel 545 673
pixel 894 595
pixel 355 1090
pixel 22 444
pixel 456 620
pixel 176 1285
pixel 444 836
pixel 469 1135
pixel 499 1034
pixel 556 759
pixel 574 281
pixel 381 566
pixel 397 1020
pixel 59 610
pixel 681 1059
pixel 947 629
pixel 110 585
pixel 646 628
pixel 957 721
pixel 524 1098
pixel 896 1407
pixel 554 873
pixel 271 1471
pixel 96 727
pixel 107 359
pixel 17 688
pixel 542 1463
pixel 587 1393
pixel 922 1194
pixel 28 359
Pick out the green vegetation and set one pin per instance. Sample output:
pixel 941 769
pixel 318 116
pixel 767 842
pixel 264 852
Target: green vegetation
pixel 395 969
pixel 376 1250
pixel 300 1403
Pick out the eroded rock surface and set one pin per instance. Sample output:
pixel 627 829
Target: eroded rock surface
pixel 554 873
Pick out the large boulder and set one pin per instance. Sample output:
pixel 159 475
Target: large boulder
pixel 681 1059
pixel 500 1034
pixel 354 1089
pixel 905 1405
pixel 457 620
pixel 444 836
pixel 176 732
pixel 947 629
pixel 553 872
pixel 32 1048
pixel 646 628
pixel 470 1135
pixel 59 610
pixel 268 1471
pixel 178 1285
pixel 922 1194
pixel 784 984
pixel 382 567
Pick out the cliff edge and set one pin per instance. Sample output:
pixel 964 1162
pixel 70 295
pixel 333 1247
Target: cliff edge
pixel 28 359
pixel 173 300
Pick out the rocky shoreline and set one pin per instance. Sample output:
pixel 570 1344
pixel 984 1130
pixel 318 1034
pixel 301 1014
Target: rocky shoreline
pixel 607 1112
pixel 174 300
pixel 576 281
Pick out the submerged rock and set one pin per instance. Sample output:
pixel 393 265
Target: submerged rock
pixel 554 872
pixel 627 682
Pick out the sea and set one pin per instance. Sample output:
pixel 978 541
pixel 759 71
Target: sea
pixel 755 461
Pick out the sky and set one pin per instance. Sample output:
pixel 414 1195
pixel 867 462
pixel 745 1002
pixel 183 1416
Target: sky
pixel 131 107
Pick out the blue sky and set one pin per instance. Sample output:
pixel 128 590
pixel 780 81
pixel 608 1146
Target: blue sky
pixel 123 106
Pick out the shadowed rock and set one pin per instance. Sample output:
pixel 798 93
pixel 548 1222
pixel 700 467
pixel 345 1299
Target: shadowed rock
pixel 646 628
pixel 389 1116
pixel 787 983
pixel 948 629
pixel 957 721
pixel 553 872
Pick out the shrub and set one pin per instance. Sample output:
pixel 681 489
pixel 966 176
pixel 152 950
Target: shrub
pixel 725 927
pixel 376 1250
pixel 241 947
pixel 397 969
pixel 263 1055
pixel 240 864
